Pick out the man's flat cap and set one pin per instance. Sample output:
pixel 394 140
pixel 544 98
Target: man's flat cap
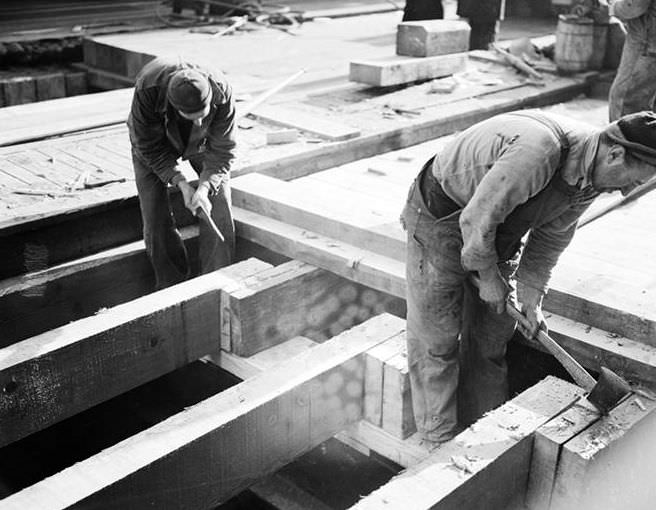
pixel 636 132
pixel 189 91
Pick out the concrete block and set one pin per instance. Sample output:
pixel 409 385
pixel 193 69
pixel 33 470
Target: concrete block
pixel 432 37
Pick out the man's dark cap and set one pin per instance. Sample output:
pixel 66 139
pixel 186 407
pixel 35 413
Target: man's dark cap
pixel 189 91
pixel 636 132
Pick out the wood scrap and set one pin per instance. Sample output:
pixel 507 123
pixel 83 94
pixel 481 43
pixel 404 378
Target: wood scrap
pixel 517 63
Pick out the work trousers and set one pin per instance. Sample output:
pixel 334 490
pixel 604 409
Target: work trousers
pixel 456 344
pixel 164 245
pixel 634 86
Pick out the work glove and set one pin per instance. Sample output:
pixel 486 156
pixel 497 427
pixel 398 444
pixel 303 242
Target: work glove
pixel 493 289
pixel 530 304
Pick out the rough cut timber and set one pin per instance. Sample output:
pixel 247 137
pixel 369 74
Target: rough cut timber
pixel 397 70
pixel 486 466
pixel 35 302
pixel 277 304
pixel 547 447
pixel 211 451
pixel 611 463
pixel 388 402
pixel 61 372
pixel 429 38
pixel 19 90
pixel 301 120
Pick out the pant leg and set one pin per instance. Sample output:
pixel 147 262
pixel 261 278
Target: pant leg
pixel 435 280
pixel 164 245
pixel 416 10
pixel 482 34
pixel 634 86
pixel 484 371
pixel 213 253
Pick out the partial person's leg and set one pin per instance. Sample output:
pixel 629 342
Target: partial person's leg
pixel 434 298
pixel 163 243
pixel 622 84
pixel 416 10
pixel 483 368
pixel 482 34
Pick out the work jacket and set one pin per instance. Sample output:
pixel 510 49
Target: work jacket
pixel 154 125
pixel 518 173
pixel 639 17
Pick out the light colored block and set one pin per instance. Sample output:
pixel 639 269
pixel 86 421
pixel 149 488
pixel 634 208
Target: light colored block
pixel 429 38
pixel 397 70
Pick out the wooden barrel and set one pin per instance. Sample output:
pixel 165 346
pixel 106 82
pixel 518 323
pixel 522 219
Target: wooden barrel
pixel 574 43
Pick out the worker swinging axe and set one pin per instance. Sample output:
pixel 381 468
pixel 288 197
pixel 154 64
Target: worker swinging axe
pixel 604 393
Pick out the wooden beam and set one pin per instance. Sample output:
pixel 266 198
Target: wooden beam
pixel 69 369
pixel 547 447
pixel 363 266
pixel 280 303
pixel 396 70
pixel 487 465
pixel 301 120
pixel 282 201
pixel 611 463
pixel 428 38
pixel 37 301
pixel 211 451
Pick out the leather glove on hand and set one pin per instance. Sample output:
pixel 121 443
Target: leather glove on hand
pixel 493 289
pixel 530 300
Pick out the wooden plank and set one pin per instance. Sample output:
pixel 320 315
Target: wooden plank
pixel 44 380
pixel 428 38
pixel 76 83
pixel 547 447
pixel 278 304
pixel 365 267
pixel 396 70
pixel 398 416
pixel 215 449
pixel 611 463
pixel 486 466
pixel 282 201
pixel 304 121
pixel 50 86
pixel 19 90
pixel 284 494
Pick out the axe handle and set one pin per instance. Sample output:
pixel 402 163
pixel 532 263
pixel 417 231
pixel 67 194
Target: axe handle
pixel 580 375
pixel 206 216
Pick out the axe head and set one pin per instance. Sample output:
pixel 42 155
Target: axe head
pixel 608 391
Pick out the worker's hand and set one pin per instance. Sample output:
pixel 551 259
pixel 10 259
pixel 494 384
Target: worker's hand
pixel 200 199
pixel 530 302
pixel 493 289
pixel 187 191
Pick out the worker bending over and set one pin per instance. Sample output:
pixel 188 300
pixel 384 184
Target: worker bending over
pixel 181 110
pixel 467 213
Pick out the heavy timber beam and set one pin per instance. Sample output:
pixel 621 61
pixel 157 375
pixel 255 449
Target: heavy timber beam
pixel 611 463
pixel 61 372
pixel 593 347
pixel 486 466
pixel 92 229
pixel 211 451
pixel 33 303
pixel 281 200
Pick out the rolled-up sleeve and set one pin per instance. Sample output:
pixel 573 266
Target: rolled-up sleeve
pixel 148 135
pixel 221 142
pixel 521 172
